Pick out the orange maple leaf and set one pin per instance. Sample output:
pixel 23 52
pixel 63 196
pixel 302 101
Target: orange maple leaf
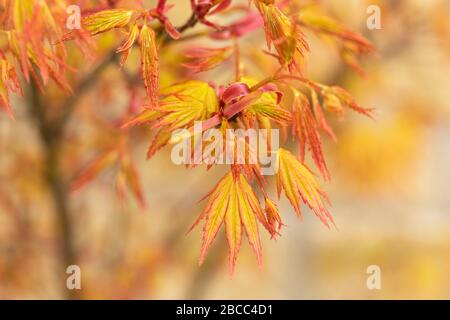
pixel 149 63
pixel 305 129
pixel 284 34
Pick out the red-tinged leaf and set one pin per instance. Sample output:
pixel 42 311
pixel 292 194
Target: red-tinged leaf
pixel 161 9
pixel 171 30
pixel 353 44
pixel 161 139
pixel 4 104
pixel 215 211
pixel 9 83
pixel 273 218
pixel 61 81
pixel 232 201
pixel 105 20
pixel 149 63
pixel 284 34
pixel 347 99
pixel 336 99
pixel 204 59
pixel 128 45
pixel 305 129
pixel 249 23
pixel 94 168
pixel 132 180
pixel 320 23
pixel 320 116
pixel 233 228
pixel 146 116
pixel 220 6
pixel 267 104
pixel 350 57
pixel 121 185
pixel 299 184
pixel 235 108
pixel 250 210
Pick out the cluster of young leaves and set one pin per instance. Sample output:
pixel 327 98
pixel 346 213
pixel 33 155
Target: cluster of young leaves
pixel 285 99
pixel 29 36
pixel 139 26
pixel 350 44
pixel 249 103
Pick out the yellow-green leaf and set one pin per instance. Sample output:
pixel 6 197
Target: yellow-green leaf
pixel 298 184
pixel 187 102
pixel 106 20
pixel 161 139
pixel 266 105
pixel 232 201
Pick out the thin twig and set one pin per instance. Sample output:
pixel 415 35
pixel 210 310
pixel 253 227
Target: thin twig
pixel 71 103
pixel 57 187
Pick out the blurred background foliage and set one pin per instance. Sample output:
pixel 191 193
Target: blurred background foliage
pixel 389 185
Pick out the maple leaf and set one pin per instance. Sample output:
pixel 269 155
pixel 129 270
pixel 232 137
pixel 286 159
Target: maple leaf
pixel 182 104
pixel 284 34
pixel 247 24
pixel 106 20
pixel 305 129
pixel 185 103
pixel 319 22
pixel 266 105
pixel 149 63
pixel 337 98
pixel 104 161
pixel 204 59
pixel 273 217
pixel 234 203
pixel 146 116
pixel 354 44
pixel 270 111
pixel 161 139
pixel 128 44
pixel 348 101
pixel 320 116
pixel 127 175
pixel 9 83
pixel 31 40
pixel 299 184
